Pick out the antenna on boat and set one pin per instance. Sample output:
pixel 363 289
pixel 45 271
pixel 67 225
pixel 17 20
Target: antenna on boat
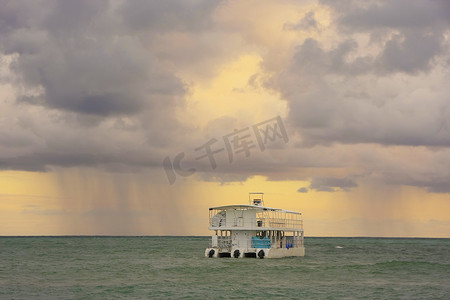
pixel 256 199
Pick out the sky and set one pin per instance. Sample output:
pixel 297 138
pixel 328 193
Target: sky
pixel 135 117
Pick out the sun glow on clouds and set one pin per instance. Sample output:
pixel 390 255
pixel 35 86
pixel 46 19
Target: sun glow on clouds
pixel 235 92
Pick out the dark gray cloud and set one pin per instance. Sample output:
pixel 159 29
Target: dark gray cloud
pixel 91 85
pixel 414 31
pixel 327 114
pixel 410 37
pixel 419 14
pixel 359 89
pixel 40 162
pixel 169 15
pixel 433 177
pixel 409 52
pixel 329 184
pixel 312 59
pixel 438 186
pixel 307 23
pixel 380 81
pixel 303 190
pixel 79 64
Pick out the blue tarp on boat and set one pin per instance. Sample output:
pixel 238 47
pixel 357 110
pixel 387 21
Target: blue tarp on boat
pixel 257 242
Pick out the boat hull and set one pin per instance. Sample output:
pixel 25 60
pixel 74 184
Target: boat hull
pixel 255 252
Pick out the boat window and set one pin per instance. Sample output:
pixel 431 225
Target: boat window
pixel 261 234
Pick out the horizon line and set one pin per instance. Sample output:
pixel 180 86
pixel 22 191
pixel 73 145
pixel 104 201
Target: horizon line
pixel 205 236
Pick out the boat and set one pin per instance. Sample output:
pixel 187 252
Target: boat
pixel 254 230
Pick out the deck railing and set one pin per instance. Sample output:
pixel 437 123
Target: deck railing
pixel 223 242
pixel 279 223
pixel 283 220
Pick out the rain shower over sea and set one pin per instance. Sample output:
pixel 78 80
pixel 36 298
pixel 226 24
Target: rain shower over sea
pixel 175 267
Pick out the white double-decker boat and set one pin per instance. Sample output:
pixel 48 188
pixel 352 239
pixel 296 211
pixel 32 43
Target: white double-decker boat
pixel 254 230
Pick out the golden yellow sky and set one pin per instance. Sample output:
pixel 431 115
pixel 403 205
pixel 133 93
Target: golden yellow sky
pixel 73 202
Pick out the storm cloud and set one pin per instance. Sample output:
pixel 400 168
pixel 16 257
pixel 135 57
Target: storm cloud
pixel 76 56
pixel 85 80
pixel 363 87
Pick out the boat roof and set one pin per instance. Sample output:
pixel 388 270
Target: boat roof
pixel 248 206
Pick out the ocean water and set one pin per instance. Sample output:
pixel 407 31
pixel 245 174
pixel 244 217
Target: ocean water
pixel 175 267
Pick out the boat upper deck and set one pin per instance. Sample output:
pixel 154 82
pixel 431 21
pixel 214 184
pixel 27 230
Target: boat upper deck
pixel 257 207
pixel 253 217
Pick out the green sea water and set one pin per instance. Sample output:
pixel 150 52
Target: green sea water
pixel 175 267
